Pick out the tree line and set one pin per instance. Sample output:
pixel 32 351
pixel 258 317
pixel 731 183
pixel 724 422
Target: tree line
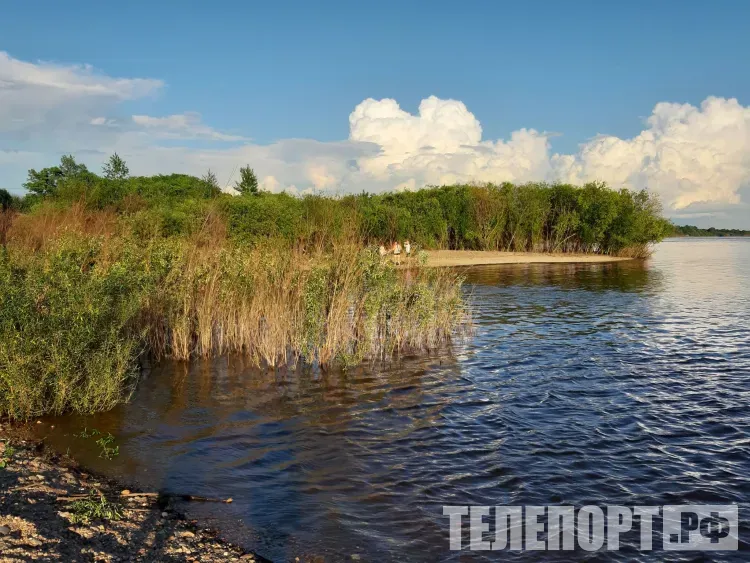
pixel 693 231
pixel 513 217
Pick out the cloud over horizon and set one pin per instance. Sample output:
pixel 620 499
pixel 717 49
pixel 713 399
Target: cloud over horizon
pixel 696 158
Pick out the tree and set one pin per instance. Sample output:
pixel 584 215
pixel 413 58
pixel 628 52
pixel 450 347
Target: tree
pixel 211 179
pixel 248 183
pixel 46 181
pixel 70 168
pixel 115 168
pixel 6 200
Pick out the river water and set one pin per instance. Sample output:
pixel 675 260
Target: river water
pixel 624 383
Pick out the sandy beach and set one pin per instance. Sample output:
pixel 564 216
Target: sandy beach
pixel 437 258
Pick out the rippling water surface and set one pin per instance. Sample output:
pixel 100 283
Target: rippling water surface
pixel 624 383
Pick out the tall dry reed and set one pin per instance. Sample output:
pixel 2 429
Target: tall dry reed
pixel 280 306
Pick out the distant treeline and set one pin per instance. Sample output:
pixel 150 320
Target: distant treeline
pixel 528 217
pixel 693 231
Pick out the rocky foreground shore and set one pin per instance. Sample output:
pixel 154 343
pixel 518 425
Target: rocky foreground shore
pixel 51 510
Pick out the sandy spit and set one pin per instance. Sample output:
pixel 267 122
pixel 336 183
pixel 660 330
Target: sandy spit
pixel 438 258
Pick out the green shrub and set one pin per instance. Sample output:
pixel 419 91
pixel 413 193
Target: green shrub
pixel 65 338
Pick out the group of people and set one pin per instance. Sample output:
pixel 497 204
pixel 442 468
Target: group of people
pixel 396 249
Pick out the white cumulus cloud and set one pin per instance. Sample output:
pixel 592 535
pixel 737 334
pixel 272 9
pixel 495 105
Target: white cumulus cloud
pixel 689 155
pixel 442 144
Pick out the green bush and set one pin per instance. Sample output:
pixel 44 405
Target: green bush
pixel 65 342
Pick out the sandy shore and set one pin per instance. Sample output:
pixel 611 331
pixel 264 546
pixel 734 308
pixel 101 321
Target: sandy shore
pixel 478 257
pixel 37 520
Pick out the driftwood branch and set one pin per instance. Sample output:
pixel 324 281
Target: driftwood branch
pixel 193 498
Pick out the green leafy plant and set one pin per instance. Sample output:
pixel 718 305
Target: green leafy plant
pixel 106 442
pixel 96 271
pixel 108 449
pixel 95 507
pixel 7 455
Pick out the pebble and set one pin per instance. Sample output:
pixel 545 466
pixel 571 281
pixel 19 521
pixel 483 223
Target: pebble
pixel 125 492
pixel 4 530
pixel 34 542
pixel 165 514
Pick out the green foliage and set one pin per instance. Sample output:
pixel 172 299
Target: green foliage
pixel 108 448
pixel 44 182
pixel 115 169
pixel 48 181
pixel 106 442
pixel 211 180
pixel 253 219
pixel 248 182
pixel 65 338
pixel 95 507
pixel 6 455
pixel 528 217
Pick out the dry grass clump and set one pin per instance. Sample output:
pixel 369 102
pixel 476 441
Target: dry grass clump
pixel 36 231
pixel 280 306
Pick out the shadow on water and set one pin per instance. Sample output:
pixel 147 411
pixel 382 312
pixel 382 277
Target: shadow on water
pixel 622 383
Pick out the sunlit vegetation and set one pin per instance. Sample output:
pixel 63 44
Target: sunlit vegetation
pixel 528 217
pixel 98 270
pixel 86 290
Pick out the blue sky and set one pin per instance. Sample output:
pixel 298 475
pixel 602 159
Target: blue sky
pixel 271 72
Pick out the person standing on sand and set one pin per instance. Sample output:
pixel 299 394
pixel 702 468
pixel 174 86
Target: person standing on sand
pixel 397 252
pixel 407 248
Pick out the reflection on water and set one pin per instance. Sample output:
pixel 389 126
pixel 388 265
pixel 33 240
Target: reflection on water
pixel 621 383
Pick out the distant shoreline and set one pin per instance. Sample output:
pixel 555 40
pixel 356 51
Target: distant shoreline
pixel 709 236
pixel 448 258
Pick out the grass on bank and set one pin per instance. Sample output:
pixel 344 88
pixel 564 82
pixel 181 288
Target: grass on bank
pixel 82 297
